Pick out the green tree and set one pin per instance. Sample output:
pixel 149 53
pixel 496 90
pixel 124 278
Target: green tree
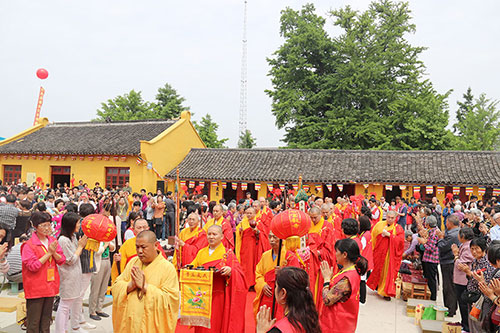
pixel 246 140
pixel 169 103
pixel 130 106
pixel 361 89
pixel 478 125
pixel 463 109
pixel 207 129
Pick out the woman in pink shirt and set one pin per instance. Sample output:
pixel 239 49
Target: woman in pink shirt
pixel 40 256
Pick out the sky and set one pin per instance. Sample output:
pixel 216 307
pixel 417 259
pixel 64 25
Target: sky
pixel 97 50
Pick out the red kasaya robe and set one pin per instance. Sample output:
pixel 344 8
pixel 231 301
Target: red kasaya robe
pixel 320 238
pixel 265 273
pixel 229 293
pixel 251 243
pixel 387 255
pixel 194 241
pixel 265 216
pixel 227 231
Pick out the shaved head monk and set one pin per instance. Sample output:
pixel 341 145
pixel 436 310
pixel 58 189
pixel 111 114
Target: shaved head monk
pixel 388 247
pixel 146 294
pixel 229 288
pixel 320 240
pixel 227 230
pixel 190 241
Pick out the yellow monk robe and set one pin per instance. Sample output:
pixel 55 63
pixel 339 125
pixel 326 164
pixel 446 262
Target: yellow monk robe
pixel 158 309
pixel 227 231
pixel 194 240
pixel 249 247
pixel 265 273
pixel 128 251
pixel 387 255
pixel 228 294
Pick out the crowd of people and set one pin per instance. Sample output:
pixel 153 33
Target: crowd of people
pixel 352 244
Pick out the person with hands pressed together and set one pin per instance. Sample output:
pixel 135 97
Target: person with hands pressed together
pixel 430 259
pixel 71 274
pixel 293 294
pixel 463 256
pixel 447 261
pixel 480 271
pixel 341 291
pixel 491 306
pixel 388 247
pixel 146 294
pixel 40 256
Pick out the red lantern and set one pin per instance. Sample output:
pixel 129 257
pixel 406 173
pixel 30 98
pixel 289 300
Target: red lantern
pixel 98 228
pixel 291 222
pixel 42 73
pixel 290 225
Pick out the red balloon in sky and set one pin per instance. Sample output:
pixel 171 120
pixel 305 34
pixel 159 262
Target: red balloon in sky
pixel 42 73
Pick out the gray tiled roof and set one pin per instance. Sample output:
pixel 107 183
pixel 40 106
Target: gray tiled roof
pixel 343 166
pixel 88 138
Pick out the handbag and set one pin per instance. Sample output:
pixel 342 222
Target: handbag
pixel 475 312
pixel 470 297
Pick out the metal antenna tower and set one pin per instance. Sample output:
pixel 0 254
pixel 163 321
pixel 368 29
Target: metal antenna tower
pixel 243 86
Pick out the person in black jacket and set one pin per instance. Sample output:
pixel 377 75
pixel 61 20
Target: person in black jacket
pixel 447 261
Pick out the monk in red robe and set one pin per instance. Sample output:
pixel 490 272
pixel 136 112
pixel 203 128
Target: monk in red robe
pixel 388 246
pixel 320 241
pixel 251 242
pixel 265 275
pixel 227 230
pixel 189 242
pixel 263 213
pixel 229 289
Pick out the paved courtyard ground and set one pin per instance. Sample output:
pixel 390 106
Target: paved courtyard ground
pixel 376 316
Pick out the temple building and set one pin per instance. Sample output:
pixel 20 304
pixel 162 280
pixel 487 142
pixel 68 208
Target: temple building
pixel 230 173
pixel 110 153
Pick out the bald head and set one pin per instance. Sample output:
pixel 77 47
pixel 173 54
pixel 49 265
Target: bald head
pixel 148 236
pixel 215 228
pixel 314 210
pixel 214 236
pixel 145 245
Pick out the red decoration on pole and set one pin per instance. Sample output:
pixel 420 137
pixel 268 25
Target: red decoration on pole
pixel 42 73
pixel 291 222
pixel 39 105
pixel 98 228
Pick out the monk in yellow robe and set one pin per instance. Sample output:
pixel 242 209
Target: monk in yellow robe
pixel 190 241
pixel 229 289
pixel 146 294
pixel 128 250
pixel 265 275
pixel 227 230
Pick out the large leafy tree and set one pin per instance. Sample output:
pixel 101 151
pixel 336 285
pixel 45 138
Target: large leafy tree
pixel 207 129
pixel 168 102
pixel 246 140
pixel 478 125
pixel 361 89
pixel 131 106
